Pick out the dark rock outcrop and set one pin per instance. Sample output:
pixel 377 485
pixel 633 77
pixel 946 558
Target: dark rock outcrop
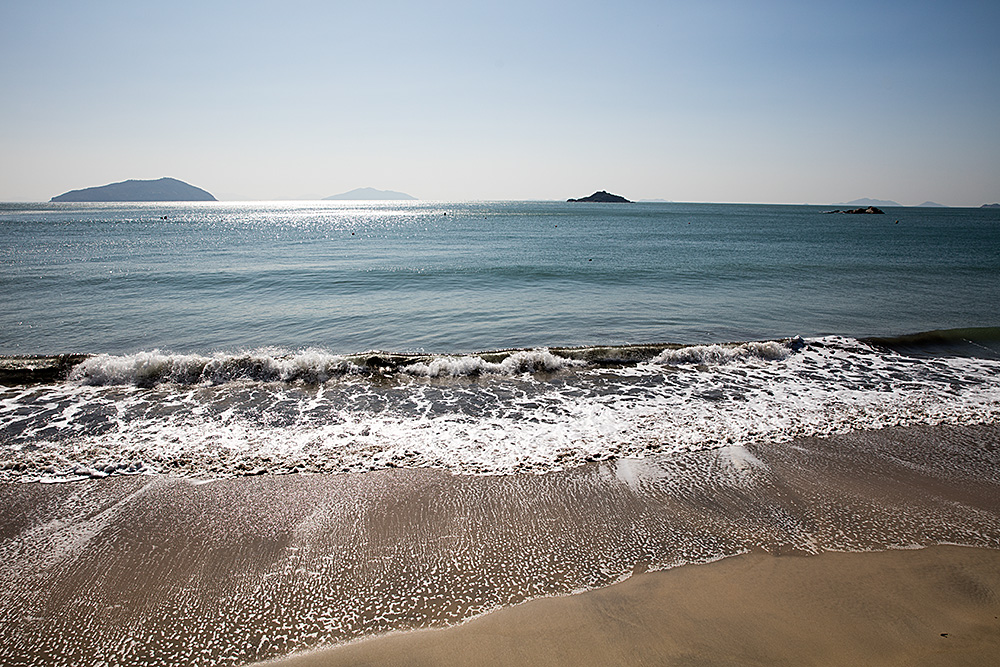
pixel 870 209
pixel 602 197
pixel 162 189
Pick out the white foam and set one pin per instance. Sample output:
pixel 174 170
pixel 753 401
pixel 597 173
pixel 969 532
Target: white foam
pixel 435 415
pixel 722 354
pixel 523 361
pixel 155 367
pixel 309 366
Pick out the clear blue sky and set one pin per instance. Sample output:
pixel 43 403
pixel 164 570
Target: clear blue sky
pixel 687 101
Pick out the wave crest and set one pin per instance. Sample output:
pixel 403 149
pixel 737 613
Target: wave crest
pixel 522 361
pixel 724 354
pixel 149 368
pixel 145 369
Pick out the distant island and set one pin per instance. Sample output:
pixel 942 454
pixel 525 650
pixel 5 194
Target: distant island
pixel 369 194
pixel 162 189
pixel 865 202
pixel 931 204
pixel 990 206
pixel 602 197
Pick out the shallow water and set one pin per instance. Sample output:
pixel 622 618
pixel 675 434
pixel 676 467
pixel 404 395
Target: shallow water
pixel 159 570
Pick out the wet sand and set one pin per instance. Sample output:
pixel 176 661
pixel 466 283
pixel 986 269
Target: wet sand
pixel 160 570
pixel 934 606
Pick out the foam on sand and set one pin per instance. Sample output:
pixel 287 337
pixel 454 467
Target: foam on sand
pixel 244 569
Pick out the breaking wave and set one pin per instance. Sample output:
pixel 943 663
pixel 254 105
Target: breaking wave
pixel 723 354
pixel 523 361
pixel 491 413
pixel 145 369
pixel 150 368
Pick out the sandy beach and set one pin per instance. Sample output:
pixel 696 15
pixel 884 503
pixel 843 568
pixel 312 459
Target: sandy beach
pixel 933 606
pixel 163 570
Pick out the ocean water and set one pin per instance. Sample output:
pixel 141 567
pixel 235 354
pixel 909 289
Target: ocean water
pixel 217 339
pixel 541 398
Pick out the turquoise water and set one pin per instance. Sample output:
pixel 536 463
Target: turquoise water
pixel 460 277
pixel 227 338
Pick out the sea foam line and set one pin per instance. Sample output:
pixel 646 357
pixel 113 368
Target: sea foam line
pixel 514 423
pixel 154 367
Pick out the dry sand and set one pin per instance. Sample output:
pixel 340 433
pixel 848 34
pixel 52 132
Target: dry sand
pixel 934 606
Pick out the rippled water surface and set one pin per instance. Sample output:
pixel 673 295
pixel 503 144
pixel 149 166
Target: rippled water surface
pixel 462 277
pixel 285 425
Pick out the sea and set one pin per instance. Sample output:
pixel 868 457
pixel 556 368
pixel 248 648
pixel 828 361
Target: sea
pixel 219 339
pixel 230 432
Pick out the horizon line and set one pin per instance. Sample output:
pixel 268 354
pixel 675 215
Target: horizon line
pixel 648 200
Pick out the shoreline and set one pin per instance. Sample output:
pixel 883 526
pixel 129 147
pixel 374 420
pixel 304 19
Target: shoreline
pixel 166 570
pixel 927 606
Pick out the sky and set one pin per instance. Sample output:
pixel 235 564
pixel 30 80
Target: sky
pixel 771 102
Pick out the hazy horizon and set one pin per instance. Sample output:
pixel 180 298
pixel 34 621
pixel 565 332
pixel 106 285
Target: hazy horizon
pixel 417 200
pixel 771 102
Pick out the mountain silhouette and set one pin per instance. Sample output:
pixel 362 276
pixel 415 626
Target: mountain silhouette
pixel 162 189
pixel 369 194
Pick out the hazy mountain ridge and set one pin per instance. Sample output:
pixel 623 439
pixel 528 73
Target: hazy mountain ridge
pixel 369 194
pixel 161 189
pixel 865 201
